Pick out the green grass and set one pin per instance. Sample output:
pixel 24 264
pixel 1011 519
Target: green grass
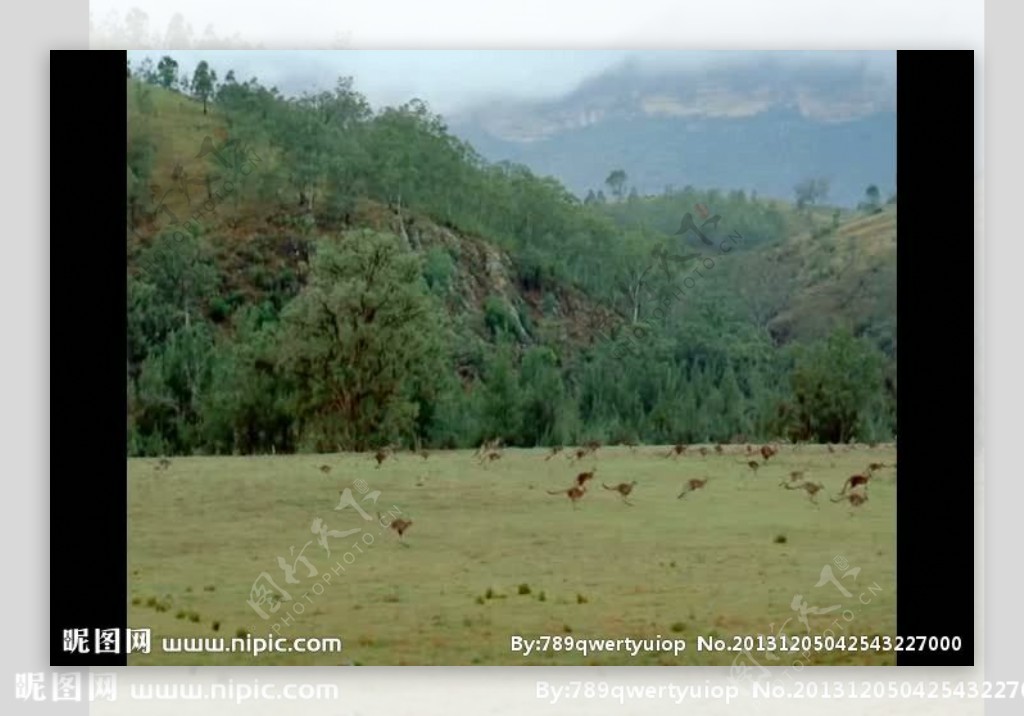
pixel 452 594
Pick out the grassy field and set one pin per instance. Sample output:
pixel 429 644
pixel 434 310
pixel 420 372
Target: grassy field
pixel 490 554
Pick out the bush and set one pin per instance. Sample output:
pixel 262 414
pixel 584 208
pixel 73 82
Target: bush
pixel 438 270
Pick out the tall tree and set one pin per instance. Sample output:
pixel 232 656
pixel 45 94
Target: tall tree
pixel 360 341
pixel 872 198
pixel 203 80
pixel 616 182
pixel 835 383
pixel 167 72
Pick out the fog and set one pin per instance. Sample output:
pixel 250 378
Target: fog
pixel 454 80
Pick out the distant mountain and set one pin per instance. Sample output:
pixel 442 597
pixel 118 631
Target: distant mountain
pixel 760 127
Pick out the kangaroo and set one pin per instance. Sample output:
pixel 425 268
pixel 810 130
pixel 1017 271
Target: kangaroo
pixel 574 493
pixel 676 450
pixel 794 476
pixel 855 481
pixel 623 488
pixel 582 478
pixel 753 465
pixel 692 485
pixel 398 525
pixel 811 488
pixel 854 498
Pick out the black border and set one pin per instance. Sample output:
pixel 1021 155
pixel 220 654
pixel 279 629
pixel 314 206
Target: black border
pixel 935 509
pixel 88 441
pixel 935 512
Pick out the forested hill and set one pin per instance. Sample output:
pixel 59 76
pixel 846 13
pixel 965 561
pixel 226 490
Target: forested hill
pixel 312 273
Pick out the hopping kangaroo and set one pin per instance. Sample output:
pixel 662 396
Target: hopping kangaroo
pixel 398 525
pixel 753 465
pixel 692 485
pixel 856 481
pixel 676 450
pixel 581 479
pixel 623 488
pixel 574 493
pixel 854 498
pixel 794 476
pixel 812 489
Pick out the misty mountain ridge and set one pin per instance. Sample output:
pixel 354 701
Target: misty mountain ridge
pixel 759 127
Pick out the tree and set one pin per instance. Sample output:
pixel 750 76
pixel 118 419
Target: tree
pixel 247 406
pixel 167 72
pixel 182 274
pixel 872 199
pixel 202 82
pixel 545 408
pixel 835 383
pixel 147 72
pixel 811 192
pixel 502 409
pixel 360 341
pixel 616 182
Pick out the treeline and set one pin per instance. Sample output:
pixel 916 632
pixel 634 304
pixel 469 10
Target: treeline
pixel 353 345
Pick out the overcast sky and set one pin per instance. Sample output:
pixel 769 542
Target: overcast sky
pixel 450 80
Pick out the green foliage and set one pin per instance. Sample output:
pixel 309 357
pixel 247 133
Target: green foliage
pixel 167 72
pixel 836 386
pixel 616 183
pixel 502 406
pixel 438 270
pixel 498 318
pixel 203 81
pixel 358 340
pixel 343 339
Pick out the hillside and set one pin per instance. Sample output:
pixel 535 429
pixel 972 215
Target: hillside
pixel 259 253
pixel 311 273
pixel 850 271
